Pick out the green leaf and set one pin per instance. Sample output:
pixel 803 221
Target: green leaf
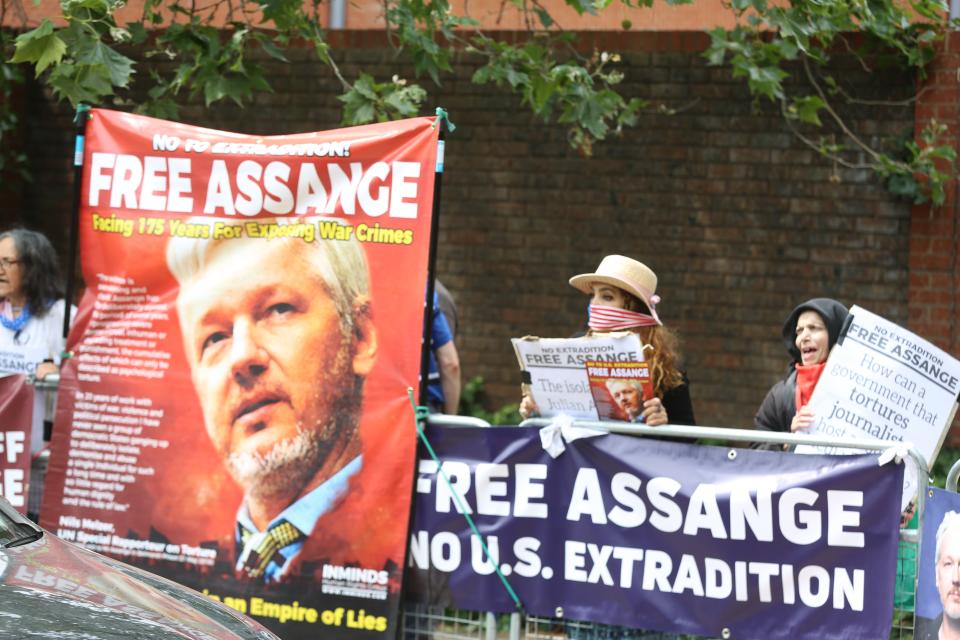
pixel 403 103
pixel 138 33
pixel 40 46
pixel 164 108
pixel 213 90
pixel 364 114
pixel 481 76
pixel 807 109
pixel 80 83
pixel 118 67
pixel 545 18
pixel 516 78
pixel 272 50
pixel 366 87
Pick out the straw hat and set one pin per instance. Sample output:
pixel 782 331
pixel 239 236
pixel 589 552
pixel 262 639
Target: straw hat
pixel 624 273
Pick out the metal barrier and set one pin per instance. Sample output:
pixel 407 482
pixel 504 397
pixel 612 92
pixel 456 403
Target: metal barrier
pixel 39 461
pixel 952 476
pixel 422 622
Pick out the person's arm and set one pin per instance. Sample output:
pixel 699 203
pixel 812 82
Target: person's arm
pixel 448 361
pixel 53 332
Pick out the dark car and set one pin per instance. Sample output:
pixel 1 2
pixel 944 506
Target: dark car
pixel 53 589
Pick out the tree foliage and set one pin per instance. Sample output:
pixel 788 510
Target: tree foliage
pixel 782 51
pixel 770 40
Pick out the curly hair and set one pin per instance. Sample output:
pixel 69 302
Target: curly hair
pixel 40 270
pixel 664 366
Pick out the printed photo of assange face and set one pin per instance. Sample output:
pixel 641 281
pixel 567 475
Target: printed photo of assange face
pixel 628 394
pixel 947 573
pixel 279 338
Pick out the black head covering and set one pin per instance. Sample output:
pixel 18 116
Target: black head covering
pixel 833 313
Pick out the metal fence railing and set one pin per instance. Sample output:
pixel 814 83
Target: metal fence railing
pixel 38 462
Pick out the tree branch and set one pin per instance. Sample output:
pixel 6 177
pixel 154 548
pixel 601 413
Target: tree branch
pixel 835 116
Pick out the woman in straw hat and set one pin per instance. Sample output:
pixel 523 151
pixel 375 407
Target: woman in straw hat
pixel 623 298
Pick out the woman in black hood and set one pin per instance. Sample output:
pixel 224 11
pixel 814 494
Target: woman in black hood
pixel 809 333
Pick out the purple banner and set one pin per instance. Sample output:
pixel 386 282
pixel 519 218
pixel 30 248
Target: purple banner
pixel 659 535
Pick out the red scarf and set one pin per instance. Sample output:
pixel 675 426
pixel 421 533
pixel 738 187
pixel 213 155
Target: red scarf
pixel 807 376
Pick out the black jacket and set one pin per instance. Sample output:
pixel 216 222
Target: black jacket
pixel 678 405
pixel 928 628
pixel 780 405
pixel 778 408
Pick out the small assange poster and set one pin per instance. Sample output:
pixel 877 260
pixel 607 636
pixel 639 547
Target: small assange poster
pixel 556 373
pixel 656 535
pixel 882 382
pixel 938 574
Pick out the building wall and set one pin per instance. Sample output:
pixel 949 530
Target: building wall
pixel 740 221
pixel 11 184
pixel 491 15
pixel 934 299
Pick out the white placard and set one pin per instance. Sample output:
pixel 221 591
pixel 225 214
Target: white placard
pixel 558 376
pixel 882 382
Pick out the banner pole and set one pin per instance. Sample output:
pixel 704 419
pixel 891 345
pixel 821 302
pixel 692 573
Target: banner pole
pixel 83 114
pixel 424 351
pixel 431 265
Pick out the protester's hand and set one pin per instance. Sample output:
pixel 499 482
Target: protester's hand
pixel 653 413
pixel 802 420
pixel 45 369
pixel 528 408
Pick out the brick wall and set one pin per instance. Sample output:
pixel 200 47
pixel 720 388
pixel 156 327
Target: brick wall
pixel 934 299
pixel 740 221
pixel 11 185
pixel 46 201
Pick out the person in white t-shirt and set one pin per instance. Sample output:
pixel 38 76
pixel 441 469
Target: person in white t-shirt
pixel 31 314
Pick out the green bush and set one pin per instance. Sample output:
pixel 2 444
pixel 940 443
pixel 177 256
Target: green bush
pixel 471 404
pixel 941 467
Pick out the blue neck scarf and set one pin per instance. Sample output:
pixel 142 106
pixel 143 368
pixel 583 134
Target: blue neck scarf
pixel 16 324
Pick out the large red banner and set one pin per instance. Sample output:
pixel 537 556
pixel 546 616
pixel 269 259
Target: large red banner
pixel 235 415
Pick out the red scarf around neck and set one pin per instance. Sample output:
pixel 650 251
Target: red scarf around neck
pixel 807 376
